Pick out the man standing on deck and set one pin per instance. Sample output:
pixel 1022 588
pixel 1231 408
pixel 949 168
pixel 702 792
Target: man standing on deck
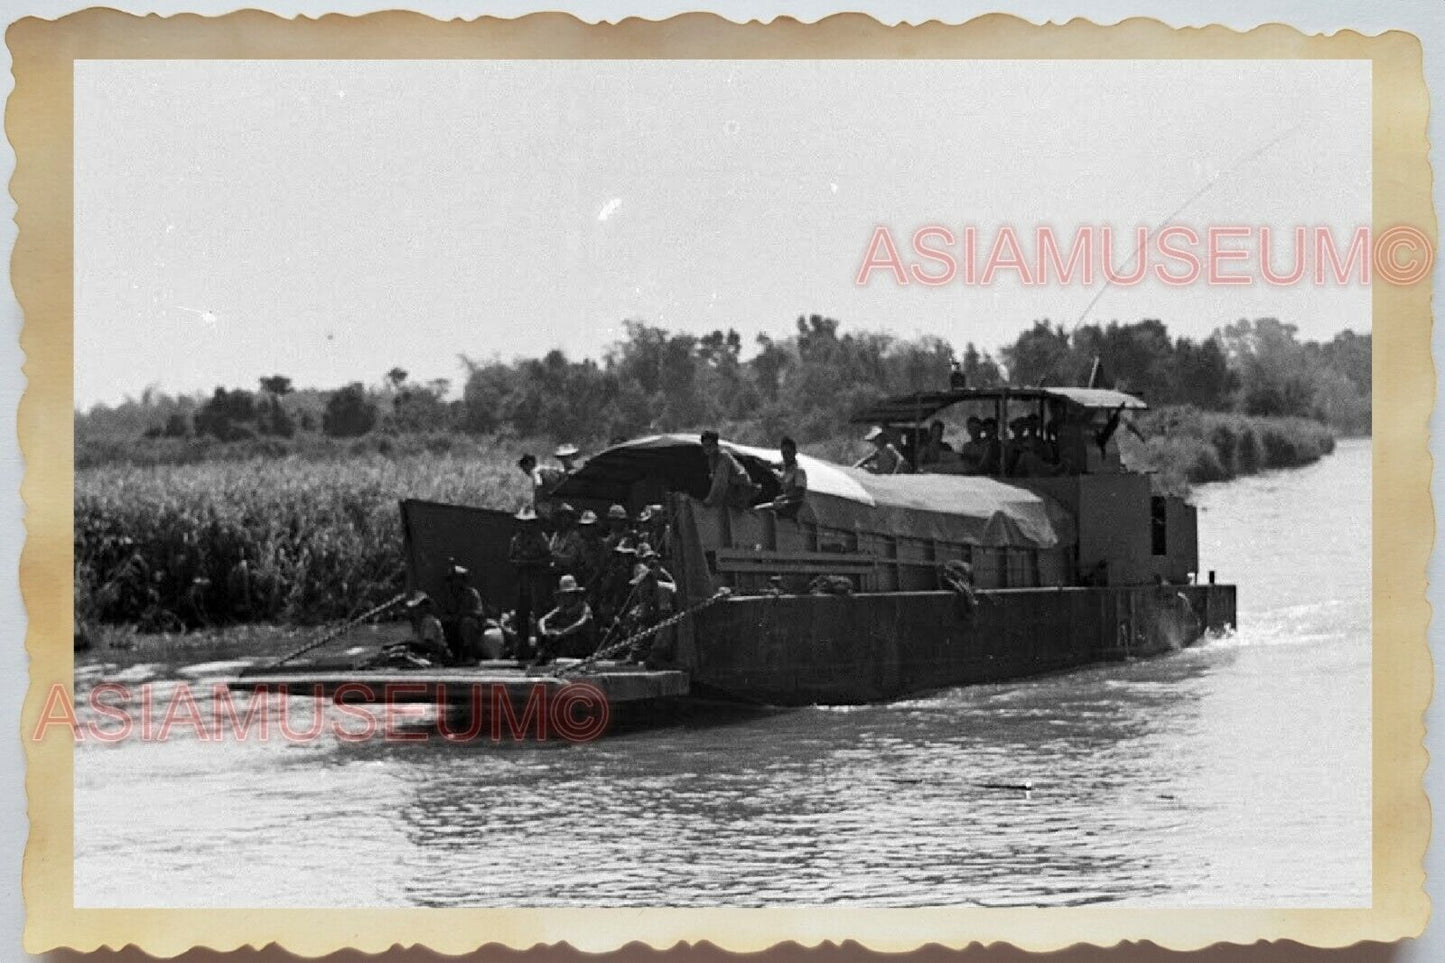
pixel 540 484
pixel 566 456
pixel 532 556
pixel 567 545
pixel 594 555
pixel 619 529
pixel 729 483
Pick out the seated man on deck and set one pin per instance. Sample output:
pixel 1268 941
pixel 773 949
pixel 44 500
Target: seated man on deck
pixel 792 482
pixel 428 639
pixel 935 450
pixel 462 614
pixel 569 629
pixel 728 481
pixel 884 459
pixel 654 594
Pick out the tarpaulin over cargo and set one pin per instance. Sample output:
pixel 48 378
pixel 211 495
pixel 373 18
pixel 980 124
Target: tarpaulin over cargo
pixel 957 508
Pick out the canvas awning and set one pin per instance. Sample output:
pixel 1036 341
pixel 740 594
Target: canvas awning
pixel 908 409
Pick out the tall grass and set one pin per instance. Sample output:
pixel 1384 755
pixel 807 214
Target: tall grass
pixel 176 546
pixel 1185 445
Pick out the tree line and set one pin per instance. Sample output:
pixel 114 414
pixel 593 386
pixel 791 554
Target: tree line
pixel 805 385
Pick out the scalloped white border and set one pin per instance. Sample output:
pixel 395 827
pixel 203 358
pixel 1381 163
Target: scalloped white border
pixel 1421 18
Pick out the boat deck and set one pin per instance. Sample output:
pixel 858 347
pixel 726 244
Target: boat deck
pixel 618 682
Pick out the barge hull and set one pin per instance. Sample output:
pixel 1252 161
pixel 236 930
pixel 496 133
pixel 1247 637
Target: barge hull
pixel 851 649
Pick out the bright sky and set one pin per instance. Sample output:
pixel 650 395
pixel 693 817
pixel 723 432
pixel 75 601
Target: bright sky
pixel 328 220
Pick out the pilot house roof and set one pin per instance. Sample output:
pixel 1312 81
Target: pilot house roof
pixel 925 404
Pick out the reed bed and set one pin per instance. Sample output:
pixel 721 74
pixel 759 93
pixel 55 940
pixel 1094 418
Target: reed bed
pixel 179 546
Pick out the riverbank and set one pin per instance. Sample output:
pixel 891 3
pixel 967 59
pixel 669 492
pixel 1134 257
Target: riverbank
pixel 1186 446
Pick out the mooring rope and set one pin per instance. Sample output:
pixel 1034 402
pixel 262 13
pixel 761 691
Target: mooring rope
pixel 585 664
pixel 340 630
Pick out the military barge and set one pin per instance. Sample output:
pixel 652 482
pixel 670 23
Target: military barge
pixel 1069 561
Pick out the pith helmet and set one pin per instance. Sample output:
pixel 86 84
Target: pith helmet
pixel 566 509
pixel 874 434
pixel 527 514
pixel 566 451
pixel 567 585
pixel 589 517
pixel 617 513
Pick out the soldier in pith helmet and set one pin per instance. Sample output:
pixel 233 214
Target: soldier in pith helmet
pixel 428 636
pixel 569 628
pixel 567 456
pixel 532 556
pixel 619 528
pixel 567 544
pixel 462 614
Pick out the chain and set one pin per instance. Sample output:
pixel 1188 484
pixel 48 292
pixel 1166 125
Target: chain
pixel 627 643
pixel 341 630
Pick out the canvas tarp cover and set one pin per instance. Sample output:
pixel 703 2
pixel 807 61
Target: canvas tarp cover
pixel 955 508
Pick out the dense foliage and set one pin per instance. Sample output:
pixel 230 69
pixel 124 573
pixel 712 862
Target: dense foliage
pixel 804 385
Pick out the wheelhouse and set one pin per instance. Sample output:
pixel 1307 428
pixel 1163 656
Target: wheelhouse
pixel 1007 432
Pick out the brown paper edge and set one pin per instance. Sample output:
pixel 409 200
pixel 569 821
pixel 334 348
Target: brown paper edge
pixel 39 125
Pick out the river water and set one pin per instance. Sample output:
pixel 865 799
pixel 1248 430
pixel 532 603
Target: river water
pixel 1234 773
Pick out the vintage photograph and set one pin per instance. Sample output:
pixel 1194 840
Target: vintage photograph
pixel 723 483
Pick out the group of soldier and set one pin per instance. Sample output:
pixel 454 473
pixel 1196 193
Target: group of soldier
pixel 586 583
pixel 583 583
pixel 589 582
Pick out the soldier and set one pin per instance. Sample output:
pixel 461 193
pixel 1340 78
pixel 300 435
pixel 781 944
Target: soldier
pixel 729 483
pixel 539 487
pixel 616 586
pixel 428 637
pixel 594 555
pixel 532 557
pixel 974 452
pixel 566 543
pixel 654 596
pixel 885 458
pixel 935 450
pixel 462 613
pixel 653 529
pixel 619 529
pixel 792 481
pixel 566 455
pixel 569 629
